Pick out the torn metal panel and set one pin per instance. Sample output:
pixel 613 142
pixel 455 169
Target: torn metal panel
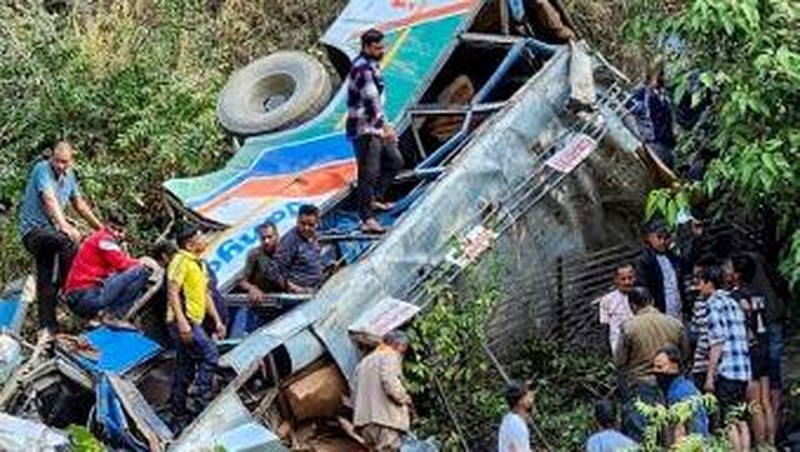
pixel 146 420
pixel 222 422
pixel 22 434
pixel 385 316
pixel 14 303
pixel 265 339
pixel 303 348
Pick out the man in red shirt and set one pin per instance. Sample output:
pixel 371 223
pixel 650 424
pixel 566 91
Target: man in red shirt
pixel 104 277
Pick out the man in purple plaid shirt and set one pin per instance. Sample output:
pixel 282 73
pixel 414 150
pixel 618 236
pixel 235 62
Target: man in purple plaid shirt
pixel 374 139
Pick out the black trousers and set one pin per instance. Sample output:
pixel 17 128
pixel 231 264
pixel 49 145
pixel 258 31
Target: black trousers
pixel 378 164
pixel 52 252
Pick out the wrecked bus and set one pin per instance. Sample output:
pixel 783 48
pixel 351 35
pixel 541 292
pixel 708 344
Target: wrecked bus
pixel 502 118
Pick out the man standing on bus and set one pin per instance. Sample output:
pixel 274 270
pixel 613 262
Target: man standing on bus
pixel 374 139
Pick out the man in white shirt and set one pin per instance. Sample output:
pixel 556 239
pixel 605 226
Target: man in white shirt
pixel 514 435
pixel 613 306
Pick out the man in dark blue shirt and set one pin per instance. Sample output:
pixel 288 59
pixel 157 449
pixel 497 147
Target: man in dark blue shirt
pixel 298 254
pixel 653 110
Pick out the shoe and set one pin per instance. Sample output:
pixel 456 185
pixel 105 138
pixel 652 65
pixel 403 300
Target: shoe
pixel 372 226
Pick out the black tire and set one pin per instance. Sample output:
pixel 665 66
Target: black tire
pixel 295 83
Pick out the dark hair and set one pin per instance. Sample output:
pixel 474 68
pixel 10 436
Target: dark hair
pixel 167 247
pixel 639 297
pixel 624 265
pixel 395 337
pixel 308 209
pixel 186 233
pixel 605 413
pixel 515 391
pixel 711 274
pixel 117 217
pixel 744 266
pixel 706 260
pixel 673 354
pixel 266 225
pixel 371 36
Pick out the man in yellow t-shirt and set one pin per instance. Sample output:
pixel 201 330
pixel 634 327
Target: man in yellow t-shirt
pixel 189 302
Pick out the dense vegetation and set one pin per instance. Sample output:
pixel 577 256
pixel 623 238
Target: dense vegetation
pixel 133 84
pixel 746 55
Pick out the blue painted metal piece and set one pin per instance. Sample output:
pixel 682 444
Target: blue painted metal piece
pixel 111 415
pixel 120 351
pixel 13 307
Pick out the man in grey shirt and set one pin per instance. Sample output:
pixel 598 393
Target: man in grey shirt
pixel 45 231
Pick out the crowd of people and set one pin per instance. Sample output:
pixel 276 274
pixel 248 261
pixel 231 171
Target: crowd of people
pixel 98 280
pixel 674 337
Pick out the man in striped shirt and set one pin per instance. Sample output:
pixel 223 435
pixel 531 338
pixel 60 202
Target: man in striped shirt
pixel 698 329
pixel 374 139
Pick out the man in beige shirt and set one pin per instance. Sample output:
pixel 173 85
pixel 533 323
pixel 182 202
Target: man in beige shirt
pixel 643 336
pixel 382 404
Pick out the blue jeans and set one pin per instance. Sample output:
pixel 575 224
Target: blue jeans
pixel 195 361
pixel 116 294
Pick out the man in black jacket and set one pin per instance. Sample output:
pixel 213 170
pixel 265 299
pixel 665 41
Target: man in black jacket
pixel 657 269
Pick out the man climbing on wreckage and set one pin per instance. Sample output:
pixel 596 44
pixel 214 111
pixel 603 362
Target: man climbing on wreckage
pixel 104 279
pixel 374 139
pixel 46 233
pixel 189 303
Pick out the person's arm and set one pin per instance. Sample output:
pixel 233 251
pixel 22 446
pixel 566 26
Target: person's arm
pixel 174 284
pixel 679 432
pixel 211 309
pixel 390 371
pixel 373 105
pixel 53 210
pixel 254 293
pixel 82 207
pixel 716 339
pixel 284 256
pixel 623 350
pixel 684 344
pixel 714 355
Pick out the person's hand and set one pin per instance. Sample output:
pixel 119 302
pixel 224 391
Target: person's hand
pixel 389 133
pixel 255 295
pixel 72 232
pixel 185 332
pixel 709 386
pixel 221 331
